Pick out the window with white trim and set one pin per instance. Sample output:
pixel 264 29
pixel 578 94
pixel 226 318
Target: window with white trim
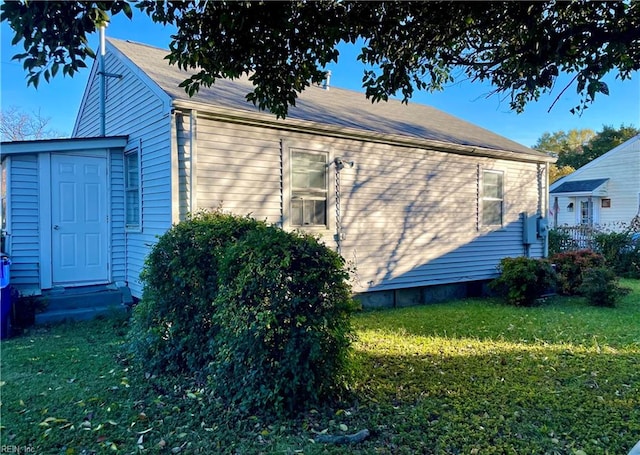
pixel 309 188
pixel 492 205
pixel 132 182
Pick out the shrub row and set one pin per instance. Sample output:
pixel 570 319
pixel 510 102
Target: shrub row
pixel 263 315
pixel 523 280
pixel 620 249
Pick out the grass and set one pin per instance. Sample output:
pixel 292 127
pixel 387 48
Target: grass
pixel 465 377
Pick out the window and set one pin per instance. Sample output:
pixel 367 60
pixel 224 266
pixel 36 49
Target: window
pixel 309 185
pixel 492 198
pixel 606 203
pixel 132 188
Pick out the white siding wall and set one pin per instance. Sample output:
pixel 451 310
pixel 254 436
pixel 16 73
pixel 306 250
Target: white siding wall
pixel 24 229
pixel 409 215
pixel 622 168
pixel 137 111
pixel 117 217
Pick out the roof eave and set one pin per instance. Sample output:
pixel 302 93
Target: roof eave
pixel 305 126
pixel 62 145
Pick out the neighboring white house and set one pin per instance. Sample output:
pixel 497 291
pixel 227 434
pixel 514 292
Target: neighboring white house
pixel 605 191
pixel 411 196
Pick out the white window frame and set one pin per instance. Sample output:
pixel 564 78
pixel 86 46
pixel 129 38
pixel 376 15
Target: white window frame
pixel 288 149
pixel 137 225
pixel 482 199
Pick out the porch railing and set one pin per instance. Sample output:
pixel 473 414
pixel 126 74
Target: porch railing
pixel 574 238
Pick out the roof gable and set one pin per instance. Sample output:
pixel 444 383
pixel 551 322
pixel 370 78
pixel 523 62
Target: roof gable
pixel 335 107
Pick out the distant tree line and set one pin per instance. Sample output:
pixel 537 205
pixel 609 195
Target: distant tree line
pixel 577 147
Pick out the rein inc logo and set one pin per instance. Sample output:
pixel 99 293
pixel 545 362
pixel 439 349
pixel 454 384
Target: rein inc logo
pixel 17 449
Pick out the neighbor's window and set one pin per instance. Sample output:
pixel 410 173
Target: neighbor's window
pixel 132 188
pixel 309 188
pixel 492 198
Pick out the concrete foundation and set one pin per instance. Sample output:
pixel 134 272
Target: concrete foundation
pixel 407 297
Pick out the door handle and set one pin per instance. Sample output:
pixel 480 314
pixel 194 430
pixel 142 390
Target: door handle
pixel 56 227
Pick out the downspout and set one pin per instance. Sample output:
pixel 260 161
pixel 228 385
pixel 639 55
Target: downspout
pixel 103 81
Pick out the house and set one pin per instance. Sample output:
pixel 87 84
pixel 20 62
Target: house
pixel 603 192
pixel 420 203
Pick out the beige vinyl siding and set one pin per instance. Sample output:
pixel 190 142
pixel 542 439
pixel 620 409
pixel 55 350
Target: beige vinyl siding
pixel 239 169
pixel 24 229
pixel 135 110
pixel 183 133
pixel 409 216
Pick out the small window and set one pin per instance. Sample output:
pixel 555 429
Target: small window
pixel 132 188
pixel 606 203
pixel 492 198
pixel 309 189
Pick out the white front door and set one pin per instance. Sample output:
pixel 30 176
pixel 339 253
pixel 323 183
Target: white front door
pixel 587 211
pixel 79 220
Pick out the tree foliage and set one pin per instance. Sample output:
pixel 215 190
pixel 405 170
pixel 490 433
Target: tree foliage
pixel 557 172
pixel 576 148
pixel 520 47
pixel 18 125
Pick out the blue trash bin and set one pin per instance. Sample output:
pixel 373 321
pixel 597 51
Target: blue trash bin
pixel 5 297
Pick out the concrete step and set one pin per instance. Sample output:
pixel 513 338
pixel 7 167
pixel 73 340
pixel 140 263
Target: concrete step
pixel 82 303
pixel 80 298
pixel 78 314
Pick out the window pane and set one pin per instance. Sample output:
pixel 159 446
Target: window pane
pixel 317 212
pixel 492 185
pixel 296 212
pixel 491 213
pixel 308 212
pixel 131 164
pixel 309 171
pixel 133 208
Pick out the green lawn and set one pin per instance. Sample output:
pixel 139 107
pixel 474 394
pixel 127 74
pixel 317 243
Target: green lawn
pixel 466 377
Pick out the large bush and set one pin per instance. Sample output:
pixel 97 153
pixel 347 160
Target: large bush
pixel 571 267
pixel 172 329
pixel 262 314
pixel 600 286
pixel 523 280
pixel 284 315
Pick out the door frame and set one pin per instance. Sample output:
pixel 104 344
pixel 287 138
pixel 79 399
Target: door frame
pixel 594 202
pixel 45 211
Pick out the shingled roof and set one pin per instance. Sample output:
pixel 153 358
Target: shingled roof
pixel 579 186
pixel 336 107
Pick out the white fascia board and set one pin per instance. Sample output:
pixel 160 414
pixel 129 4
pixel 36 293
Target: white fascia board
pixel 62 145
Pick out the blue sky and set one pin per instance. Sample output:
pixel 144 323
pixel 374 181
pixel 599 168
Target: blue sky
pixel 60 99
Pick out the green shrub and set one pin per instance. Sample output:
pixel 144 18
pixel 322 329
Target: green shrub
pixel 262 314
pixel 571 266
pixel 172 328
pixel 559 241
pixel 284 315
pixel 600 287
pixel 523 280
pixel 620 252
